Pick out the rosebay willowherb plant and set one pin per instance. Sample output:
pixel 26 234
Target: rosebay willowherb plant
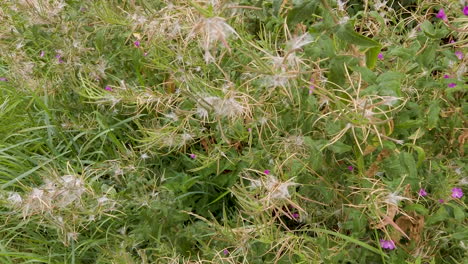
pixel 254 131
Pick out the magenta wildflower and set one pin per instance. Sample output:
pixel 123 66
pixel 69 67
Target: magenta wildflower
pixel 465 10
pixel 266 172
pixel 350 168
pixel 441 14
pixel 192 156
pixel 387 244
pixel 311 87
pixel 380 56
pixel 42 54
pixel 225 252
pixel 446 76
pixel 59 58
pixel 457 193
pixel 108 88
pixel 295 215
pixel 422 192
pixel 441 201
pixel 459 54
pixel 137 43
pixel 451 85
pixel 3 79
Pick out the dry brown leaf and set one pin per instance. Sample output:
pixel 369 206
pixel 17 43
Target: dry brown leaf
pixel 374 168
pixel 461 140
pixel 388 220
pixel 412 225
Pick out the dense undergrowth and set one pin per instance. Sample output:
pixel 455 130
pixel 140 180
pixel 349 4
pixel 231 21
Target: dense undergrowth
pixel 254 131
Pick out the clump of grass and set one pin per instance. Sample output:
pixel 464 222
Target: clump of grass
pixel 247 132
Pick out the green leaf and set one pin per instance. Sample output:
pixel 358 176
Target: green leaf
pixel 421 153
pixel 346 32
pixel 439 216
pixel 301 11
pixel 340 147
pixel 419 208
pixel 428 29
pixel 372 56
pixel 433 115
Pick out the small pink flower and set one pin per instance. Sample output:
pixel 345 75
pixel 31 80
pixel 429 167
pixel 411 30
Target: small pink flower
pixel 465 10
pixel 59 58
pixel 225 252
pixel 266 172
pixel 3 79
pixel 459 54
pixel 422 192
pixel 42 54
pixel 350 168
pixel 446 76
pixel 192 156
pixel 441 14
pixel 295 215
pixel 441 201
pixel 137 43
pixel 451 85
pixel 387 244
pixel 311 87
pixel 380 56
pixel 108 88
pixel 457 193
pixel 249 129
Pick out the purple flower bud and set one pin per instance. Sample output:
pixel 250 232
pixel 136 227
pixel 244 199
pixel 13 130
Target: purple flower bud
pixel 465 10
pixel 350 168
pixel 441 201
pixel 446 76
pixel 422 192
pixel 193 156
pixel 3 79
pixel 295 215
pixel 108 88
pixel 312 86
pixel 459 54
pixel 266 172
pixel 457 193
pixel 137 43
pixel 42 54
pixel 380 56
pixel 225 252
pixel 451 85
pixel 441 14
pixel 387 244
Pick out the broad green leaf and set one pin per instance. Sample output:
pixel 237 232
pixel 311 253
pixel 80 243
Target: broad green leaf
pixel 340 147
pixel 421 153
pixel 433 115
pixel 346 32
pixel 439 216
pixel 301 11
pixel 372 56
pixel 428 29
pixel 419 208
